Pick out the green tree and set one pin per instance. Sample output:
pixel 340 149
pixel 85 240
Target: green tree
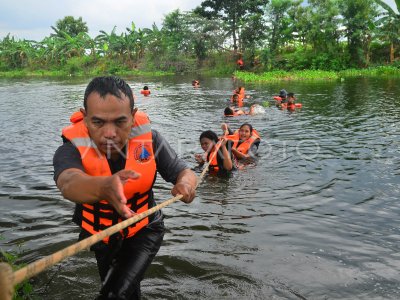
pixel 110 44
pixel 71 26
pixel 358 16
pixel 155 44
pixel 278 21
pixel 389 26
pixel 325 19
pixel 204 35
pixel 232 12
pixel 176 32
pixel 301 16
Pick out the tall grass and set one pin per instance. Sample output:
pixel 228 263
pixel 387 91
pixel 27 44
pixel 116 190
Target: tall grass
pixel 381 71
pixel 372 72
pixel 284 75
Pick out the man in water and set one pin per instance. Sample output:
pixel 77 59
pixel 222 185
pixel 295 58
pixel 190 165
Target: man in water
pixel 107 166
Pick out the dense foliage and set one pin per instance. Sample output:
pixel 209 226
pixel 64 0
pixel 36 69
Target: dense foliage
pixel 330 35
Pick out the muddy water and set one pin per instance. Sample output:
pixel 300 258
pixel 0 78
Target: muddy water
pixel 316 217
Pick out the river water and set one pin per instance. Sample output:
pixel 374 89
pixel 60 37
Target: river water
pixel 315 217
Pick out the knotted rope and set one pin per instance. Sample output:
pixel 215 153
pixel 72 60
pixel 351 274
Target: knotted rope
pixel 9 279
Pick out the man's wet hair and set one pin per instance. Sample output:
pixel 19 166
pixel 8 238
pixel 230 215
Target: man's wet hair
pixel 109 85
pixel 209 134
pixel 228 111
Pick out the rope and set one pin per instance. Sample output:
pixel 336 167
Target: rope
pixel 8 279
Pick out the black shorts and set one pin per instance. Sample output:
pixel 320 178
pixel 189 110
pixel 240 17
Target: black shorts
pixel 122 263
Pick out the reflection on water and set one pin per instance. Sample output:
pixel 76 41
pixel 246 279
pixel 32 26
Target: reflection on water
pixel 316 217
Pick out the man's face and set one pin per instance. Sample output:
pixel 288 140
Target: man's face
pixel 109 121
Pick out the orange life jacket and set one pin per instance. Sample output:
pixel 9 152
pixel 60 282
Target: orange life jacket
pixel 145 92
pixel 245 146
pixel 213 166
pixel 277 98
pixel 291 106
pixel 241 94
pixel 140 157
pixel 239 100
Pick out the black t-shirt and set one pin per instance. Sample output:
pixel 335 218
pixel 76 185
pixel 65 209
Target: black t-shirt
pixel 168 165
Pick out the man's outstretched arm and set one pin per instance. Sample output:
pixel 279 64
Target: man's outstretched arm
pixel 79 187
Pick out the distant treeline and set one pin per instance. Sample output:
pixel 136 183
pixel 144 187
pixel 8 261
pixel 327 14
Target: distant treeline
pixel 287 35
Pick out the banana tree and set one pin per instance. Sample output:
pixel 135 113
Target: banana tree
pixel 136 41
pixel 389 23
pixel 110 45
pixel 14 53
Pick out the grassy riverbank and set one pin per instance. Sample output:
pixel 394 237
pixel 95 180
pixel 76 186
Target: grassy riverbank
pixel 63 73
pixel 381 71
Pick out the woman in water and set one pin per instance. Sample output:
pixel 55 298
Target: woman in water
pixel 215 151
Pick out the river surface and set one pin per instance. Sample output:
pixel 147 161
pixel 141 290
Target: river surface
pixel 315 217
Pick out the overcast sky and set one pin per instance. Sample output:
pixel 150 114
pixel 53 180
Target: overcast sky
pixel 28 19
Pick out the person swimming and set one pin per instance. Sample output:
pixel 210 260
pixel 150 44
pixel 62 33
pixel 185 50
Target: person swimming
pixel 216 152
pixel 145 91
pixel 255 109
pixel 245 140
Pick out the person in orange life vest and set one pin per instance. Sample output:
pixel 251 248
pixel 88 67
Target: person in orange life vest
pixel 246 140
pixel 291 98
pixel 290 101
pixel 196 83
pixel 290 105
pixel 145 91
pixel 240 63
pixel 241 92
pixel 107 166
pixel 242 95
pixel 236 100
pixel 282 97
pixel 216 150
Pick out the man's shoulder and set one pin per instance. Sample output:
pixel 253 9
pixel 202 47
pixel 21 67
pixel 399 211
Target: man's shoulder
pixel 156 136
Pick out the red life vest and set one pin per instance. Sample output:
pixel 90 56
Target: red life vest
pixel 145 92
pixel 245 146
pixel 140 157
